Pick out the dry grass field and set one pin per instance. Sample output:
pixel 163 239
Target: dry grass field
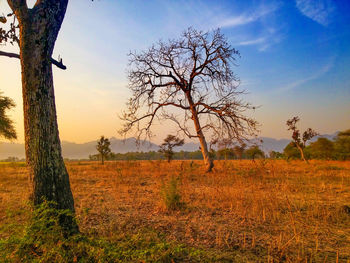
pixel 262 211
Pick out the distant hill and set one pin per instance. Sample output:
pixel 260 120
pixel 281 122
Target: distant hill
pixel 11 150
pixel 78 151
pixel 83 150
pixel 270 144
pixel 73 150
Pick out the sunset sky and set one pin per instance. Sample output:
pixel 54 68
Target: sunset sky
pixel 295 60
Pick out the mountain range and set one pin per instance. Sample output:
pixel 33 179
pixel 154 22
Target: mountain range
pixel 83 150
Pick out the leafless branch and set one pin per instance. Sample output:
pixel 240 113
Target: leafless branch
pixel 193 74
pixel 58 64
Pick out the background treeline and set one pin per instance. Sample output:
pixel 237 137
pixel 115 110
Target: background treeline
pixel 152 155
pixel 322 148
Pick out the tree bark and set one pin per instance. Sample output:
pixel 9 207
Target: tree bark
pixel 39 28
pixel 301 153
pixel 209 164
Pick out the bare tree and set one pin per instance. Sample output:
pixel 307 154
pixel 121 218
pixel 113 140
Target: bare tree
pixel 38 30
pixel 169 143
pixel 192 74
pixel 300 142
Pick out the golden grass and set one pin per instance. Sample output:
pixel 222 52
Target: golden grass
pixel 290 212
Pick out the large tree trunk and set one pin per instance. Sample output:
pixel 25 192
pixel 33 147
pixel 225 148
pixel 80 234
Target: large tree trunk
pixel 209 164
pixel 39 28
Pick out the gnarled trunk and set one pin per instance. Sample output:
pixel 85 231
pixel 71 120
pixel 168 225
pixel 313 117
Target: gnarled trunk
pixel 39 28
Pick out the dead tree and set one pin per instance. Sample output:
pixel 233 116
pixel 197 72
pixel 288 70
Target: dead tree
pixel 300 142
pixel 192 74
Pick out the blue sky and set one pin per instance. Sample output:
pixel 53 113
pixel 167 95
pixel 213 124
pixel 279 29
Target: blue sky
pixel 295 60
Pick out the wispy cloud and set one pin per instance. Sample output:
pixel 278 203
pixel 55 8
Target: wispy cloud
pixel 248 17
pixel 273 37
pixel 318 10
pixel 269 36
pixel 323 70
pixel 266 32
pixel 252 41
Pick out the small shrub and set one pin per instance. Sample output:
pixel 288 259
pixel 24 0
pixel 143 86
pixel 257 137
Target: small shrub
pixel 171 195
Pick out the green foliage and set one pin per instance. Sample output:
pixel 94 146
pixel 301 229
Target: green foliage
pixel 7 129
pixel 275 155
pixel 342 145
pixel 291 151
pixel 239 150
pixel 171 194
pixel 225 150
pixel 44 240
pixel 151 155
pixel 225 153
pixel 321 149
pixel 254 152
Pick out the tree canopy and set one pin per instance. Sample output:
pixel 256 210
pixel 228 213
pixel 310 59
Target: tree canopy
pixel 298 138
pixel 7 129
pixel 169 143
pixel 342 145
pixel 103 147
pixel 192 74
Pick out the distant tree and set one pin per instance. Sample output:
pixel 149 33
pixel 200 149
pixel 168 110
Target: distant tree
pixel 322 149
pixel 6 124
pixel 225 153
pixel 192 74
pixel 94 157
pixel 11 159
pixel 103 147
pixel 225 148
pixel 239 150
pixel 196 155
pixel 253 152
pixel 291 151
pixel 342 145
pixel 166 148
pixel 300 142
pixel 275 155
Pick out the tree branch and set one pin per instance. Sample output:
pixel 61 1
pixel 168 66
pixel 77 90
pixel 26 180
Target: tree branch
pixel 58 64
pixel 19 7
